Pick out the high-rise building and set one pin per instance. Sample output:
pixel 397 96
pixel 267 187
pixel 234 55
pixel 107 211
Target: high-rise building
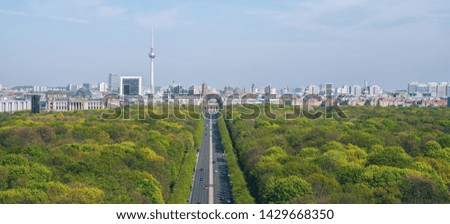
pixel 253 88
pixel 194 90
pixel 356 90
pixel 1 87
pixel 152 56
pixel 441 90
pixel 365 90
pixel 422 88
pixel 312 89
pixel 267 90
pixel 204 89
pixel 72 88
pixel 87 86
pixel 432 88
pixel 130 85
pixel 448 89
pixel 102 87
pixel 114 83
pixel 412 87
pixel 375 90
pixel 35 104
pixel 343 90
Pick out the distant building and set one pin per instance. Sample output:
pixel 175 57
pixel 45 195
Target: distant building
pixel 194 90
pixel 1 87
pixel 432 88
pixel 178 89
pixel 375 90
pixel 35 104
pixel 441 90
pixel 102 87
pixel 72 88
pixel 448 90
pixel 204 89
pixel 69 104
pixel 422 89
pixel 114 83
pixel 299 90
pixel 412 87
pixel 312 89
pixel 87 86
pixel 11 106
pixel 355 90
pixel 343 90
pixel 39 89
pixel 130 85
pixel 448 102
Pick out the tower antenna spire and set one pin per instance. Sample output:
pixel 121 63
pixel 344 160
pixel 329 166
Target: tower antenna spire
pixel 152 56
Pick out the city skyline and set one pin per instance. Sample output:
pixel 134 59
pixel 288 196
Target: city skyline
pixel 286 44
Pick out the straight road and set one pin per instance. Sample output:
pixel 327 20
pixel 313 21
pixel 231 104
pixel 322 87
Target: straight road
pixel 211 183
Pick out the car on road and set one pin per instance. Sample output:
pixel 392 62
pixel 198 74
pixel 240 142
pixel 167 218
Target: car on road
pixel 201 169
pixel 201 178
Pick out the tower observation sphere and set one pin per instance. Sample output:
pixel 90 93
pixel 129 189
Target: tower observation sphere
pixel 152 54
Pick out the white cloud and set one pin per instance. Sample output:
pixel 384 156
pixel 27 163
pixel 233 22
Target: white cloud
pixel 111 11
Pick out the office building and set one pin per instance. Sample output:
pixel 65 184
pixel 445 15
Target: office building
pixel 441 90
pixel 355 90
pixel 102 87
pixel 422 89
pixel 204 89
pixel 130 85
pixel 87 86
pixel 35 104
pixel 375 90
pixel 432 89
pixel 343 90
pixel 412 87
pixel 114 83
pixel 312 89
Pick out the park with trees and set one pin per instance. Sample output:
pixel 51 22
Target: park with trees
pixel 376 155
pixel 77 157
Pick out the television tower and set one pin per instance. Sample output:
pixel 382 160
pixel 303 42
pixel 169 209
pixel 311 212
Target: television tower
pixel 152 56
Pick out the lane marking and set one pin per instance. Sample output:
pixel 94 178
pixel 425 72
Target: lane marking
pixel 211 172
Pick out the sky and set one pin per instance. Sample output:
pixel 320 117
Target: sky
pixel 233 42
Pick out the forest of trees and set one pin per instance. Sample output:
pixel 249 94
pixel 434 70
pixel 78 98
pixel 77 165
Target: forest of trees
pixel 76 157
pixel 377 155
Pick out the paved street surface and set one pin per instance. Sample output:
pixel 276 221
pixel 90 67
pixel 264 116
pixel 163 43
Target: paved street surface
pixel 211 183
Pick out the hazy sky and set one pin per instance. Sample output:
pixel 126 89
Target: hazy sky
pixel 229 42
